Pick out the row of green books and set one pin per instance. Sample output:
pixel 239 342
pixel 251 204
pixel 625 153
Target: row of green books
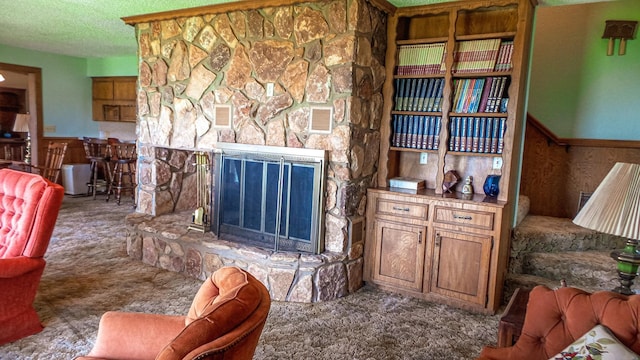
pixel 479 94
pixel 477 134
pixel 416 131
pixel 423 94
pixel 470 56
pixel 420 59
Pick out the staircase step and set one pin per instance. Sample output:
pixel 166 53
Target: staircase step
pixel 584 269
pixel 551 234
pixel 527 281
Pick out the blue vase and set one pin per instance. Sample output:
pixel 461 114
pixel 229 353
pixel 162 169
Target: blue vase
pixel 491 185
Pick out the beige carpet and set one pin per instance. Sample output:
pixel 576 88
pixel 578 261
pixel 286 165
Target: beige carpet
pixel 89 273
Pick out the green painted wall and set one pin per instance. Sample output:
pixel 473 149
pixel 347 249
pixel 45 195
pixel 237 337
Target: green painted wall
pixel 113 66
pixel 576 90
pixel 66 89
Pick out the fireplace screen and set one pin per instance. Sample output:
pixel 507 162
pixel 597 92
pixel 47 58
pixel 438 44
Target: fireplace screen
pixel 269 197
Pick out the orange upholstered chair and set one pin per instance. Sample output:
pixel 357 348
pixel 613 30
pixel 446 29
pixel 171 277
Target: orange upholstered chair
pixel 29 206
pixel 556 318
pixel 225 322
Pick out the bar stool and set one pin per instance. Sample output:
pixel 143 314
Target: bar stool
pixel 98 152
pixel 124 157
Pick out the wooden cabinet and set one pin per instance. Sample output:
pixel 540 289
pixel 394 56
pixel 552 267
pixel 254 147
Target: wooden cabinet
pixel 454 89
pixel 114 98
pixel 435 248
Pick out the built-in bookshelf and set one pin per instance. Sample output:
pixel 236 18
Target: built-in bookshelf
pixel 454 90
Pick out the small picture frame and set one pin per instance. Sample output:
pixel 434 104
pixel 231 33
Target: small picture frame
pixel 111 112
pixel 584 197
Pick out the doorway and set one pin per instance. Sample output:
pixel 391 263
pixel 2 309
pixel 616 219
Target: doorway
pixel 33 88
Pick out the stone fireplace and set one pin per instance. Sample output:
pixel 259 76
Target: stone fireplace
pixel 256 77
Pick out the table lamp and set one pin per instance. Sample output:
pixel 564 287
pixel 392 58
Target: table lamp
pixel 22 125
pixel 614 208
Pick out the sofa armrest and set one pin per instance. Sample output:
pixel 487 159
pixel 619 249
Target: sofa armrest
pixel 134 336
pixel 18 266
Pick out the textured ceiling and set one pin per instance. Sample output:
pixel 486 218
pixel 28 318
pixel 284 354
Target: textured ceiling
pixel 93 28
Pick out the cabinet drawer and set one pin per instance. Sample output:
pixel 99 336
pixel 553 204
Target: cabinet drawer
pixel 476 219
pixel 397 208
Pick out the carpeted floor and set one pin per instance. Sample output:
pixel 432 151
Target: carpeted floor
pixel 88 273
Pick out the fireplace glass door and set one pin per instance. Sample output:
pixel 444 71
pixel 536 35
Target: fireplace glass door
pixel 269 201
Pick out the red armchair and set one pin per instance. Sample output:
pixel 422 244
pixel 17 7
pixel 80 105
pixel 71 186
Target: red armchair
pixel 556 318
pixel 225 322
pixel 29 206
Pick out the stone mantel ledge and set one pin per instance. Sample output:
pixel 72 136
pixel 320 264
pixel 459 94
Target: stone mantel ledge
pixel 165 242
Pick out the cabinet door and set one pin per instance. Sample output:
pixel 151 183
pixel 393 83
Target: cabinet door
pixel 124 89
pixel 102 89
pixel 399 254
pixel 461 265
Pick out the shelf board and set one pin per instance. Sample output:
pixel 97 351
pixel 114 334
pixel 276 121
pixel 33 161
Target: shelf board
pixel 393 148
pixel 419 113
pixel 498 35
pixel 422 41
pixel 481 74
pixel 485 114
pixel 422 76
pixel 469 153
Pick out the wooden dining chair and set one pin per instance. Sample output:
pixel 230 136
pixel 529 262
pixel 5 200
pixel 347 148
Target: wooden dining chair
pixel 52 166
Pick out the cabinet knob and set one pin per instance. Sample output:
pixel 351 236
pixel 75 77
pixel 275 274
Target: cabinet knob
pixel 401 208
pixel 438 239
pixel 419 237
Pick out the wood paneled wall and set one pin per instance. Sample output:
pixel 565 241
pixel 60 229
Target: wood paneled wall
pixel 75 150
pixel 555 171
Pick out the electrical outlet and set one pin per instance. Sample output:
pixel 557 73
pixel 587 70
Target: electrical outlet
pixel 497 163
pixel 269 89
pixel 49 128
pixel 423 158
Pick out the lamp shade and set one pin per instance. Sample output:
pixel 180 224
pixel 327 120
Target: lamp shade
pixel 22 123
pixel 614 208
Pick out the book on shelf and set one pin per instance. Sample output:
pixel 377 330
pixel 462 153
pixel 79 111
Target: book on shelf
pixel 476 55
pixel 503 63
pixel 494 136
pixel 437 98
pixel 399 96
pixel 407 94
pixel 463 134
pixel 436 132
pixel 481 134
pixel 396 126
pixel 485 94
pixel 502 129
pixel 424 87
pixel 406 183
pixel 475 140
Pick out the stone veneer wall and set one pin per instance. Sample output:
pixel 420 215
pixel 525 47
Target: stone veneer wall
pixel 328 53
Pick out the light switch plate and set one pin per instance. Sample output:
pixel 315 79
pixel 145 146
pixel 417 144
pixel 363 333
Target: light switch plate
pixel 269 89
pixel 423 158
pixel 497 163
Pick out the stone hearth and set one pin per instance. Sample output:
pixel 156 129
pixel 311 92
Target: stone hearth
pixel 165 242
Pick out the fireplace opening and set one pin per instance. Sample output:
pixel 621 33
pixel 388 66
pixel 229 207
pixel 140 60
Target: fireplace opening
pixel 270 197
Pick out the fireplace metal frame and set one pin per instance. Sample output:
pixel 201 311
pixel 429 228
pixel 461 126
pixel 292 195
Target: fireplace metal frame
pixel 275 154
